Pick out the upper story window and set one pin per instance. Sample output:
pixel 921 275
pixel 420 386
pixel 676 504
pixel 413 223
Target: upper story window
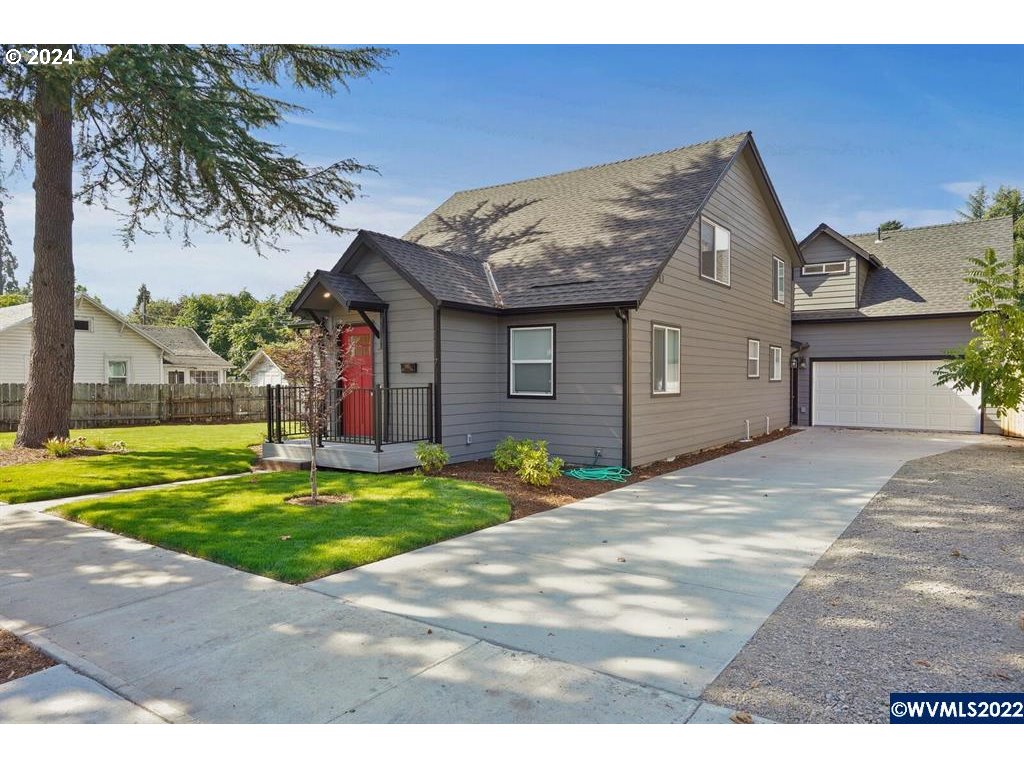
pixel 826 268
pixel 531 361
pixel 83 325
pixel 778 280
pixel 665 360
pixel 715 252
pixel 205 377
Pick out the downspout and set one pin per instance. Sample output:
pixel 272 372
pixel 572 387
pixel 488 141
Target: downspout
pixel 627 381
pixel 438 434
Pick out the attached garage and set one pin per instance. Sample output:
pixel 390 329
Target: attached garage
pixel 889 394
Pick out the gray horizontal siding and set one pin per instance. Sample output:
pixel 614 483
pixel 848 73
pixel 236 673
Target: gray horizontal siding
pixel 826 291
pixel 586 412
pixel 715 323
pixel 875 339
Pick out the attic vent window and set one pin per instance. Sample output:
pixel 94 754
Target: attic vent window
pixel 82 325
pixel 827 268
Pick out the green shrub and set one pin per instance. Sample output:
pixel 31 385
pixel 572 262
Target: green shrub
pixel 529 459
pixel 508 454
pixel 432 457
pixel 99 444
pixel 59 447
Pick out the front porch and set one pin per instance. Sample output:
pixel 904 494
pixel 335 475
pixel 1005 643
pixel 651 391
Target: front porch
pixel 372 429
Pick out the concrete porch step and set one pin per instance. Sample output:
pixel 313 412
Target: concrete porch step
pixel 283 465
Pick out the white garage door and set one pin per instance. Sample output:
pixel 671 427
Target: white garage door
pixel 894 394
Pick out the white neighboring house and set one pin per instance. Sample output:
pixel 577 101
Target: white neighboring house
pixel 110 350
pixel 262 370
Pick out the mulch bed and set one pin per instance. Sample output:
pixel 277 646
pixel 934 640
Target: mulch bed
pixel 11 456
pixel 528 500
pixel 18 659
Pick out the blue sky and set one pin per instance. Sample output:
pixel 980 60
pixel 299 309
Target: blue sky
pixel 850 135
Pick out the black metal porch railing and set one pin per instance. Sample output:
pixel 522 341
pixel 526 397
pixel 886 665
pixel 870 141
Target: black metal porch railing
pixel 371 416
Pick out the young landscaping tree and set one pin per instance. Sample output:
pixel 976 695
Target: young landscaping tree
pixel 314 361
pixel 172 138
pixel 992 362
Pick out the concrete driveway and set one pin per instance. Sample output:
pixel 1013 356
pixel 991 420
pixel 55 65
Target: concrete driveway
pixel 661 582
pixel 621 608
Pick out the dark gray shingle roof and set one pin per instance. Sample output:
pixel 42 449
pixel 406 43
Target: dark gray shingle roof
pixel 923 268
pixel 183 345
pixel 355 292
pixel 594 235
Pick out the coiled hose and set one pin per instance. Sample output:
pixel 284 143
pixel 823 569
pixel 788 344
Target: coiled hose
pixel 610 474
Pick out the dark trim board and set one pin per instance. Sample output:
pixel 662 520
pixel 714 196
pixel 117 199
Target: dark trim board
pixel 438 433
pixel 627 388
pixel 554 362
pixel 874 319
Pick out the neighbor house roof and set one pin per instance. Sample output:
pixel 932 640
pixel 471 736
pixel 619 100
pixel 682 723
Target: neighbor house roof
pixel 923 269
pixel 594 236
pixel 15 315
pixel 258 355
pixel 182 346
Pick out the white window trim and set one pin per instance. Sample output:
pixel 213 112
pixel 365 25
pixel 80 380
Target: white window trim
pixel 778 277
pixel 193 371
pixel 774 358
pixel 812 269
pixel 679 359
pixel 127 368
pixel 513 362
pixel 88 321
pixel 756 358
pixel 700 260
pixel 182 371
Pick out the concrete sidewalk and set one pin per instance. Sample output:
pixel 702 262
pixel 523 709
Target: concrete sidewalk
pixel 662 582
pixel 190 640
pixel 617 609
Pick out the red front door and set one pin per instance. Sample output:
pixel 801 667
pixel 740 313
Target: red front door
pixel 357 407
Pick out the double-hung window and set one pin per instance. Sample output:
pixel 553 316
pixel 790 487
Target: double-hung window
pixel 117 371
pixel 531 361
pixel 775 359
pixel 715 252
pixel 778 280
pixel 205 377
pixel 753 359
pixel 665 360
pixel 175 377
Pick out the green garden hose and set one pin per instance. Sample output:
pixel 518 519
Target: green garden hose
pixel 612 474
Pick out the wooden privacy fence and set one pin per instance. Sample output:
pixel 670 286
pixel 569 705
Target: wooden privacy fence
pixel 107 405
pixel 1013 424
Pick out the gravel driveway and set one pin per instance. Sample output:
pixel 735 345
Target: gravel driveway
pixel 923 592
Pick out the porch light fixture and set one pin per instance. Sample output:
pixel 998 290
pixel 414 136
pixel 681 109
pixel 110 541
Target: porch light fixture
pixel 327 295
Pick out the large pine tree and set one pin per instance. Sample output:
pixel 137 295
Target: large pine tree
pixel 171 137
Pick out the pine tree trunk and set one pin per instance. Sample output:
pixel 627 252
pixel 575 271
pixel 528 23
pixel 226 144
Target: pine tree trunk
pixel 47 403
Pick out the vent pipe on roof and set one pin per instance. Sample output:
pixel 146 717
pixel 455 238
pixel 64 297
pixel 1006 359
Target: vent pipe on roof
pixel 878 237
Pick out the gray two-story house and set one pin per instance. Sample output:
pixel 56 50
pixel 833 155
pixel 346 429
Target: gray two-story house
pixel 875 314
pixel 625 313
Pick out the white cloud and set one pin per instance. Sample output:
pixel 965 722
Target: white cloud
pixel 961 188
pixel 323 125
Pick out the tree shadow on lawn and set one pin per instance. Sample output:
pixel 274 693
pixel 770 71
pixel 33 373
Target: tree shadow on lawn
pixel 247 524
pixel 93 474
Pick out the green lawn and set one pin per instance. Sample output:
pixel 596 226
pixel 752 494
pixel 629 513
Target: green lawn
pixel 158 454
pixel 246 522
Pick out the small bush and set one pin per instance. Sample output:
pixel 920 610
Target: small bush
pixel 529 459
pixel 59 447
pixel 119 446
pixel 508 454
pixel 99 444
pixel 432 457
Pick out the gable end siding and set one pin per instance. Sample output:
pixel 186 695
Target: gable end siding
pixel 826 291
pixel 715 321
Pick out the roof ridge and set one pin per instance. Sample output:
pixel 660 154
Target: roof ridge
pixel 930 226
pixel 601 165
